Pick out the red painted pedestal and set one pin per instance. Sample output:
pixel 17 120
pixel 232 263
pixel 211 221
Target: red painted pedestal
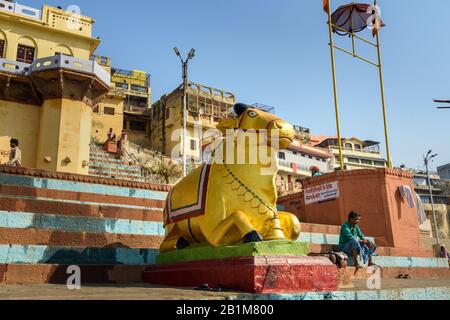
pixel 259 275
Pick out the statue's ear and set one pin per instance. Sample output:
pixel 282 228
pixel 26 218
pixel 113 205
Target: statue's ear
pixel 227 124
pixel 240 108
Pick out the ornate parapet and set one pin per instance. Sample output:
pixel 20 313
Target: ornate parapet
pixel 363 173
pixel 54 77
pixel 82 178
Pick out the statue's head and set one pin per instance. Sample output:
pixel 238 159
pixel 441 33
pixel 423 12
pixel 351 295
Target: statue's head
pixel 252 119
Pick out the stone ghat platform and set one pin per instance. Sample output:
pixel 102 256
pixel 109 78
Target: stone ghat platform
pixel 391 290
pixel 112 229
pixel 265 267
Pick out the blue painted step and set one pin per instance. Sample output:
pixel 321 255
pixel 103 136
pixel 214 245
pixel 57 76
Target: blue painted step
pixel 17 254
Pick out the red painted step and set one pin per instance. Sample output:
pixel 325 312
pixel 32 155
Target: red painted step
pixel 79 196
pixel 29 205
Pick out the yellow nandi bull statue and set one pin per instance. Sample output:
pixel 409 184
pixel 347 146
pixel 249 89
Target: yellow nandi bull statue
pixel 224 203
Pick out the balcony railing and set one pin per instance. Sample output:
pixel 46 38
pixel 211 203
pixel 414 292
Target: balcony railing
pixel 17 8
pixel 55 62
pixel 355 150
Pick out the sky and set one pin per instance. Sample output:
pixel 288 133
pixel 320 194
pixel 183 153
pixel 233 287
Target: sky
pixel 276 52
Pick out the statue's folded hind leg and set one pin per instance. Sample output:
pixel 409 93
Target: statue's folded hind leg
pixel 290 225
pixel 171 239
pixel 221 235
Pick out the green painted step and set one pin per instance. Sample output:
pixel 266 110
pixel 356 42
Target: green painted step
pixel 267 248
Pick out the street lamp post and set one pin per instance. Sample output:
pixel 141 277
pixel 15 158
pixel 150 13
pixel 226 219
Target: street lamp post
pixel 427 160
pixel 184 63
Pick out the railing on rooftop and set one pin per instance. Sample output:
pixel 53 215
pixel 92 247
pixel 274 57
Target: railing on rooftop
pixel 264 107
pixel 302 130
pixel 212 92
pixel 55 62
pixel 142 78
pixel 14 7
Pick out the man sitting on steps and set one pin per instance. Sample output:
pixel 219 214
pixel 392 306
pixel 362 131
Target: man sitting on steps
pixel 353 242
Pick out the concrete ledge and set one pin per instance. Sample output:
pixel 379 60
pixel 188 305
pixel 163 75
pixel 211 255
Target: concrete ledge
pixel 410 262
pixel 398 273
pixel 321 238
pixel 321 249
pixel 377 295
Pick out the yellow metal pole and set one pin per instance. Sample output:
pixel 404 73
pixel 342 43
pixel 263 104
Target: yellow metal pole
pixel 386 132
pixel 336 101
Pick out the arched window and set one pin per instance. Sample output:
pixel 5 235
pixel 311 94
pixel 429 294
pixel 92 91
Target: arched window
pixel 63 49
pixel 26 50
pixel 349 146
pixel 2 44
pixel 358 147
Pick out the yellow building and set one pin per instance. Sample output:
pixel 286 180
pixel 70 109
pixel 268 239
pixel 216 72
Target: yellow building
pixel 206 106
pixel 108 113
pixel 48 85
pixel 135 85
pixel 126 106
pixel 357 153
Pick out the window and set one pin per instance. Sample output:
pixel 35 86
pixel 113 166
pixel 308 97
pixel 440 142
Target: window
pixel 25 54
pixel 367 162
pixel 353 160
pixel 349 146
pixel 379 164
pixel 2 48
pixel 358 147
pixel 193 145
pixel 138 126
pixel 110 111
pixel 96 109
pixel 121 85
pixel 138 88
pixel 282 155
pixel 103 61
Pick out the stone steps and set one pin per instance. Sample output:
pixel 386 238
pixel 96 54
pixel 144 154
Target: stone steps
pixel 49 220
pixel 38 274
pixel 103 164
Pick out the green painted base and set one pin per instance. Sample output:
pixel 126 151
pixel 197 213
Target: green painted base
pixel 266 248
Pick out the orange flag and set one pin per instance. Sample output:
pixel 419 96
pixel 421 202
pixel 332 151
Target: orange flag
pixel 326 5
